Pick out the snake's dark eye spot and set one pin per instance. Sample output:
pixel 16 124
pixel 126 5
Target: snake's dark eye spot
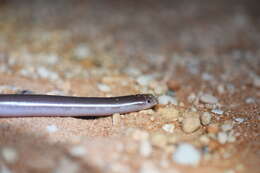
pixel 148 101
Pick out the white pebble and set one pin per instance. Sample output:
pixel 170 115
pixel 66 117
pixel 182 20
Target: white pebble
pixel 9 154
pixel 168 128
pixel 45 73
pixel 104 87
pixel 228 125
pixel 78 151
pixel 145 148
pixel 52 128
pixel 217 111
pixel 81 52
pixel 222 137
pixel 186 154
pixel 207 98
pixel 205 118
pixel 250 100
pixel 144 80
pixel 148 167
pixel 239 120
pixel 165 99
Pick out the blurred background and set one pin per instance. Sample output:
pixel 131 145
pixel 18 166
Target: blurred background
pixel 120 32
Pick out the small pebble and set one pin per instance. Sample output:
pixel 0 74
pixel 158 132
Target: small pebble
pixel 217 111
pixel 168 128
pixel 78 151
pixel 47 74
pixel 145 148
pixel 204 139
pixel 222 137
pixel 144 80
pixel 250 100
pixel 159 140
pixel 228 125
pixel 186 154
pixel 9 154
pixel 81 51
pixel 205 118
pixel 191 98
pixel 52 128
pixel 103 87
pixel 207 98
pixel 148 167
pixel 165 99
pixel 239 120
pixel 190 124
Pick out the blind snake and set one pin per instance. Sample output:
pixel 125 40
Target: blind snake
pixel 23 105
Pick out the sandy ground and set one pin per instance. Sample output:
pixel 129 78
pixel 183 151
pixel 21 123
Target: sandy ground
pixel 200 58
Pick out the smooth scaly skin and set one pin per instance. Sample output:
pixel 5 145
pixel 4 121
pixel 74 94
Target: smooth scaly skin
pixel 13 105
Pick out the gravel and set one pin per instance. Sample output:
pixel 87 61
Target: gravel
pixel 186 154
pixel 207 98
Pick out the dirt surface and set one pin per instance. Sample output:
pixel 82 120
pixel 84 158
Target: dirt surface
pixel 201 58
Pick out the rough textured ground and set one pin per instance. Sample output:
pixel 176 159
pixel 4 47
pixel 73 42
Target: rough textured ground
pixel 200 57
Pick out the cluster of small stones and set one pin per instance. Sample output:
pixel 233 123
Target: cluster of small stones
pixel 211 134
